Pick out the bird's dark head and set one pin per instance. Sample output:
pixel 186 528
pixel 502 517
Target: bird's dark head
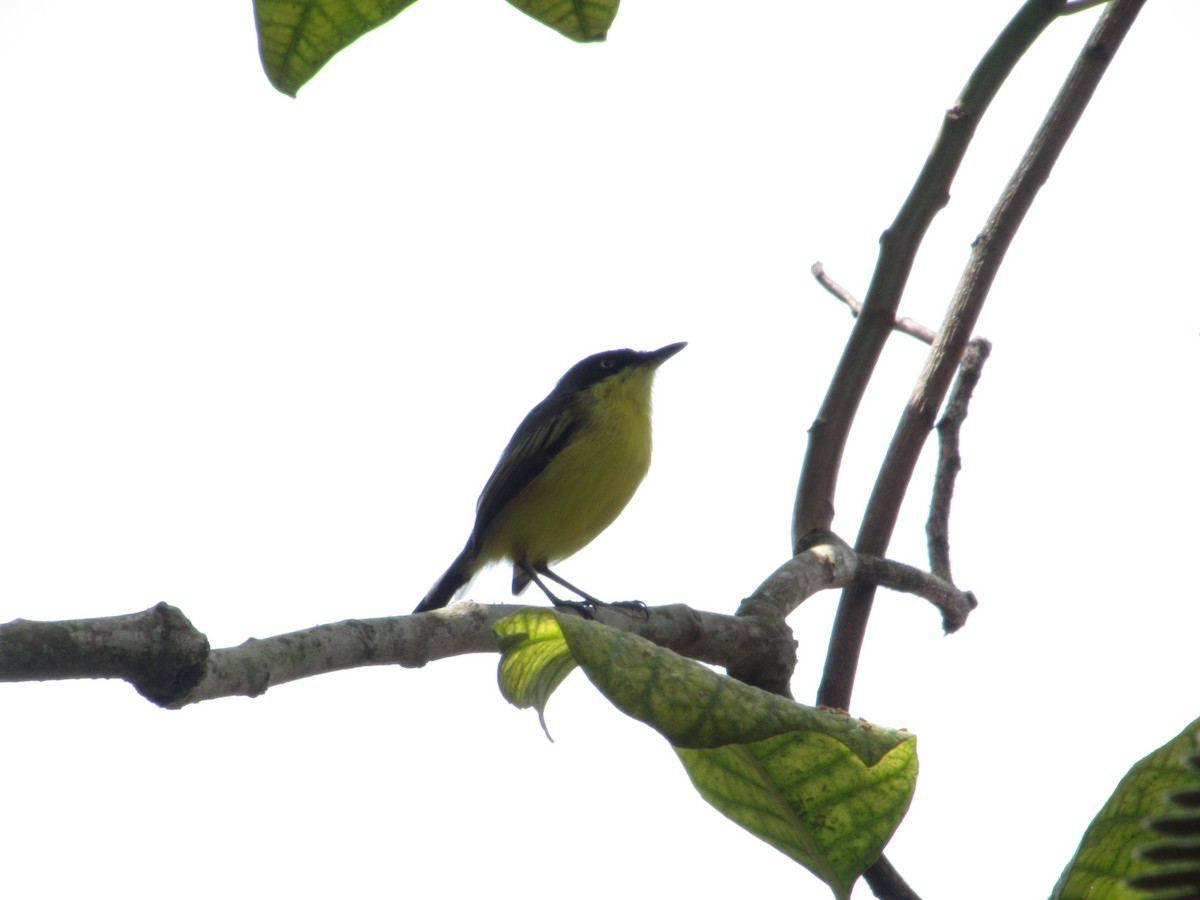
pixel 601 366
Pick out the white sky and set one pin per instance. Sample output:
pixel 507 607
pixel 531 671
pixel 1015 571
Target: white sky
pixel 234 327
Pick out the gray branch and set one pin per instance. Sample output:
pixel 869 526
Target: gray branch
pixel 170 662
pixel 949 429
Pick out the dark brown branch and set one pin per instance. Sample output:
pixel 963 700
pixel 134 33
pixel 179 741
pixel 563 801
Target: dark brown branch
pixel 885 882
pixel 937 527
pixel 949 428
pixel 1070 8
pixel 987 253
pixel 898 247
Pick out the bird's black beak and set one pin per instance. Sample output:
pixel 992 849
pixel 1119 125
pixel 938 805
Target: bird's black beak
pixel 655 358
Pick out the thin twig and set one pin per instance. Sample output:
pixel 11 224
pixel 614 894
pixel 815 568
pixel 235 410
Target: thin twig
pixel 949 428
pixel 987 254
pixel 911 327
pixel 823 279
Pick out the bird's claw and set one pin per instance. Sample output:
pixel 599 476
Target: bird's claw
pixel 587 607
pixel 637 605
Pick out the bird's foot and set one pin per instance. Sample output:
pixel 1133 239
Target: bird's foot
pixel 636 605
pixel 586 608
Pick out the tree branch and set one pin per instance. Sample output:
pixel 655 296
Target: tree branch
pixel 885 882
pixel 987 253
pixel 898 247
pixel 937 526
pixel 170 663
pixel 830 561
pixel 955 605
pixel 157 651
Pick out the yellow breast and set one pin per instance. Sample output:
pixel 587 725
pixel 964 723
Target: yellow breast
pixel 587 485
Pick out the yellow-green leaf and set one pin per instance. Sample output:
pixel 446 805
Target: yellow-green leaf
pixel 580 20
pixel 1145 842
pixel 693 706
pixel 297 37
pixel 534 659
pixel 810 797
pixel 825 789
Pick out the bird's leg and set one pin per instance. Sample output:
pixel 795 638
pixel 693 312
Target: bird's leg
pixel 588 598
pixel 589 602
pixel 586 607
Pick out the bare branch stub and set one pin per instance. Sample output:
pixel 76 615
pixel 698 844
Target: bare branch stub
pixel 954 604
pixel 949 429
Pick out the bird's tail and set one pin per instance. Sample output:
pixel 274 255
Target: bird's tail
pixel 461 571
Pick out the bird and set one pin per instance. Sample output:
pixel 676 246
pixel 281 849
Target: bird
pixel 568 471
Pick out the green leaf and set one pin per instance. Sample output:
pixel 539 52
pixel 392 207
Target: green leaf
pixel 1145 842
pixel 580 20
pixel 534 659
pixel 810 797
pixel 693 706
pixel 297 37
pixel 827 790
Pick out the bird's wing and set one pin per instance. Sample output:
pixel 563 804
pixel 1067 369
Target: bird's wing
pixel 537 440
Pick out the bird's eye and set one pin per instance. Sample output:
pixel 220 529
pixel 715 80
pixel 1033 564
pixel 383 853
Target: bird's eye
pixel 606 363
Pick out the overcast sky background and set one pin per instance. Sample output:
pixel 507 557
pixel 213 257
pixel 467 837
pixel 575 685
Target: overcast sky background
pixel 259 355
